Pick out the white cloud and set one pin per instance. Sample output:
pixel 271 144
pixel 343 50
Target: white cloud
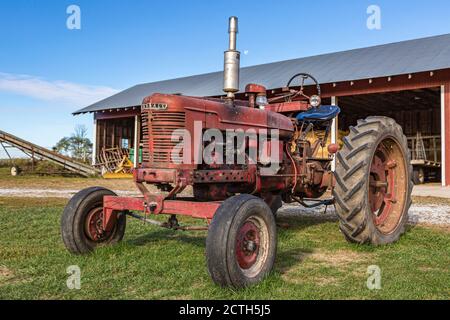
pixel 57 91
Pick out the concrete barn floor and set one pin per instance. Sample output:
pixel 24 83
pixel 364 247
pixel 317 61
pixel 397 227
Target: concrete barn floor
pixel 432 190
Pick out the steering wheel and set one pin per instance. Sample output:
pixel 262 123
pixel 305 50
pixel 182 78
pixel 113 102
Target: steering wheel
pixel 304 76
pixel 315 102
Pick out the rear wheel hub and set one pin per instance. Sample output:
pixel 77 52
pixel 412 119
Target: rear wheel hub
pixel 387 185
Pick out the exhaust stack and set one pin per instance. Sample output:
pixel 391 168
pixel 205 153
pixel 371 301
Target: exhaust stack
pixel 231 62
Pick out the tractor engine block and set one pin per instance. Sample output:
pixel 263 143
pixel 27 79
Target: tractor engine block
pixel 173 129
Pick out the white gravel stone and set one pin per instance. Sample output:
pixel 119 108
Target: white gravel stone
pixel 418 214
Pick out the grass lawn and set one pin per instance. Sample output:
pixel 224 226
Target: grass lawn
pixel 313 262
pixel 34 181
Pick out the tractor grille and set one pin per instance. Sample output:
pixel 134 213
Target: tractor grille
pixel 145 137
pixel 157 135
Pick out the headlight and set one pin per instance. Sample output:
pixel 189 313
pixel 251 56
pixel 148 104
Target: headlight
pixel 315 101
pixel 261 101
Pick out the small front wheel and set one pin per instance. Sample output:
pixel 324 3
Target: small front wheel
pixel 82 222
pixel 241 242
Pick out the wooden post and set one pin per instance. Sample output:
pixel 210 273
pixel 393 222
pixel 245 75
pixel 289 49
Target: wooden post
pixel 334 131
pixel 136 140
pixel 445 133
pixel 435 158
pixel 113 138
pixel 105 131
pixel 32 160
pixel 94 143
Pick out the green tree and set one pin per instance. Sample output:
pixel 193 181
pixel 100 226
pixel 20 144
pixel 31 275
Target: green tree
pixel 62 146
pixel 77 146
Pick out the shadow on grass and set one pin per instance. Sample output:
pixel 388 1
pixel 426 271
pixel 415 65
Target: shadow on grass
pixel 287 226
pixel 287 259
pixel 198 238
pixel 411 227
pixel 162 234
pixel 290 226
pixel 302 222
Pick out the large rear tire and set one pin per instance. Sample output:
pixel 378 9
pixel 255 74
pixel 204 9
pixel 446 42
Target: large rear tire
pixel 81 222
pixel 373 182
pixel 241 242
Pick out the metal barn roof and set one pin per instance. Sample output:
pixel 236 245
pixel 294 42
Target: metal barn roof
pixel 426 54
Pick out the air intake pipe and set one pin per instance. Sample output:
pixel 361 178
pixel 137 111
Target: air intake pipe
pixel 231 62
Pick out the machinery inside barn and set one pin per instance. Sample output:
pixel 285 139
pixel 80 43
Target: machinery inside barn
pixel 418 112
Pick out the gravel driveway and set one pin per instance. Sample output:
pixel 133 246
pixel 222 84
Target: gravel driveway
pixel 435 214
pixel 418 214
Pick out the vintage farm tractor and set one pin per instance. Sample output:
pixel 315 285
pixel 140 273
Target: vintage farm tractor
pixel 269 160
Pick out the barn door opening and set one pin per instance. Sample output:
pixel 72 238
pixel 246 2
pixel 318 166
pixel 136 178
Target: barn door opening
pixel 419 114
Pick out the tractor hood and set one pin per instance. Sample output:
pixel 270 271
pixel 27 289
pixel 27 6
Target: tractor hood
pixel 214 113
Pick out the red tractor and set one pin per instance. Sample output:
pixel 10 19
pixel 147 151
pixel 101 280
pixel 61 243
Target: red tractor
pixel 270 160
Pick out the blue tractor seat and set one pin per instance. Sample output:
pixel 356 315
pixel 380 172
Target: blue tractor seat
pixel 322 113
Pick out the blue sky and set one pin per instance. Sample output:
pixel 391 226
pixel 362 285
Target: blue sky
pixel 48 71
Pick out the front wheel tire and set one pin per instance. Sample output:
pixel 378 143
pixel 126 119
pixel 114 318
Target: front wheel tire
pixel 241 242
pixel 81 222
